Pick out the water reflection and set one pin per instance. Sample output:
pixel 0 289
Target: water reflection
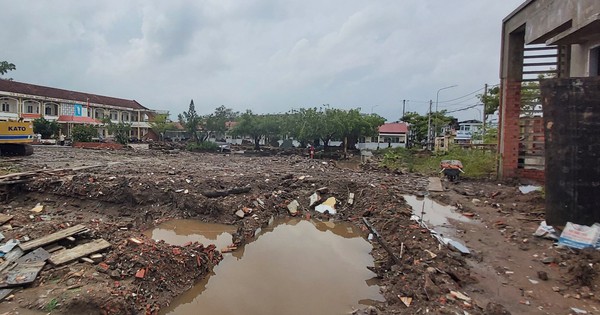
pixel 293 266
pixel 179 232
pixel 432 212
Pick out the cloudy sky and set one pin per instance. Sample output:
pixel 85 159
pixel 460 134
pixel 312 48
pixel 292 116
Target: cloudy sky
pixel 265 55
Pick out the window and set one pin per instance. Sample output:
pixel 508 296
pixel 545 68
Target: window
pixel 48 110
pixel 5 107
pixel 114 115
pixel 125 117
pixel 99 114
pixel 29 109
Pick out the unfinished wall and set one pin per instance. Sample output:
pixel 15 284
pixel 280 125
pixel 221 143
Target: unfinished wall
pixel 552 37
pixel 572 119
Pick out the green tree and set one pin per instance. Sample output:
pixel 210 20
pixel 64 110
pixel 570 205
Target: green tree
pixel 257 127
pixel 160 124
pixel 302 125
pixel 5 66
pixel 491 100
pixel 84 133
pixel 46 128
pixel 214 124
pixel 120 130
pixel 191 122
pixel 419 124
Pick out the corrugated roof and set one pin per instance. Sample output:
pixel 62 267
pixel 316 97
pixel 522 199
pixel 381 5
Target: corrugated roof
pixel 393 128
pixel 44 91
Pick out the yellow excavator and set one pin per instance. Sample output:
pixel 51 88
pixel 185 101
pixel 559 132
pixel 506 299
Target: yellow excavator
pixel 16 138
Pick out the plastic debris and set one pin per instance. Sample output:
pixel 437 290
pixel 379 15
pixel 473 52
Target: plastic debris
pixel 328 205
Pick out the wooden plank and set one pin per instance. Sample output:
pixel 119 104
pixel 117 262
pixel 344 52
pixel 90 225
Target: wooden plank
pixel 26 270
pixel 78 251
pixel 5 292
pixel 381 241
pixel 435 184
pixel 5 218
pixel 52 237
pixel 11 257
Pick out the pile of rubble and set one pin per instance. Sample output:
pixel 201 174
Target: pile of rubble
pixel 117 202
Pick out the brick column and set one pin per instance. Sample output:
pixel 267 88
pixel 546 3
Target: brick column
pixel 509 128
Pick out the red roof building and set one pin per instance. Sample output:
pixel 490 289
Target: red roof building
pixel 393 128
pixel 26 101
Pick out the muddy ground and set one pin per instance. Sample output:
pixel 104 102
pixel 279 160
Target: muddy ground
pixel 133 190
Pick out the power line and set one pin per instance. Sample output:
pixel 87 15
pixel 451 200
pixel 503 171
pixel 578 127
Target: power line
pixel 464 108
pixel 446 101
pixel 469 100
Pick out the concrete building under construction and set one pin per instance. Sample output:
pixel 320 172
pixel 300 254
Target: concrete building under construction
pixel 540 39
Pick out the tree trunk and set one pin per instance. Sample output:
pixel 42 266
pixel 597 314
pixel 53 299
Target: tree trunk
pixel 257 143
pixel 345 145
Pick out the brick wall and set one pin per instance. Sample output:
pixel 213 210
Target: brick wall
pixel 534 175
pixel 509 136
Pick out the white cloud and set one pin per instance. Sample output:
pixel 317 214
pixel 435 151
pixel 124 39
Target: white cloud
pixel 265 55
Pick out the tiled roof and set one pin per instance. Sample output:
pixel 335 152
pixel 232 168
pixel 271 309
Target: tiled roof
pixel 44 91
pixel 393 128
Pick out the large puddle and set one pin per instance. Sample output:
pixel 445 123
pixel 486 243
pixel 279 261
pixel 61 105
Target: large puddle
pixel 432 212
pixel 293 266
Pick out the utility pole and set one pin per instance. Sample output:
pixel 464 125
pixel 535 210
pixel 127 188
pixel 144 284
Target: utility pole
pixel 485 92
pixel 429 126
pixel 403 108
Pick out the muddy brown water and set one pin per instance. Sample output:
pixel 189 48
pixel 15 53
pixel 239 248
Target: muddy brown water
pixel 293 266
pixel 179 232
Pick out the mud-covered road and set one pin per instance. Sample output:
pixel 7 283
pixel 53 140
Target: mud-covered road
pixel 125 193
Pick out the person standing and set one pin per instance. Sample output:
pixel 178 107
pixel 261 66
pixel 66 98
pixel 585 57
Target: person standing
pixel 312 152
pixel 61 139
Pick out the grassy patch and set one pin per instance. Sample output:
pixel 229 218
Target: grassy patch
pixel 476 163
pixel 52 305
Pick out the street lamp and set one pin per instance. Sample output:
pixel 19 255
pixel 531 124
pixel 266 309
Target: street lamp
pixel 373 107
pixel 437 97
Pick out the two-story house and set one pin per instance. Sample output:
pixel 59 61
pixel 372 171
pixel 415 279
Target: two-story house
pixel 27 102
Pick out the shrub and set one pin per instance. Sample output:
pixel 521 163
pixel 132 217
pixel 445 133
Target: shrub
pixel 205 146
pixel 477 163
pixel 84 133
pixel 45 127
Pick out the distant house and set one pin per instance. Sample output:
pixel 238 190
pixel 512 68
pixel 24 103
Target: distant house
pixel 390 135
pixel 466 130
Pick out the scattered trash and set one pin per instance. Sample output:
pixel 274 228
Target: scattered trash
pixel 580 236
pixel 460 296
pixel 328 205
pixel 293 207
pixel 529 188
pixel 542 275
pixel 578 310
pixel 406 300
pixel 351 198
pixel 314 198
pixel 38 208
pixel 9 245
pixel 458 246
pixel 546 231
